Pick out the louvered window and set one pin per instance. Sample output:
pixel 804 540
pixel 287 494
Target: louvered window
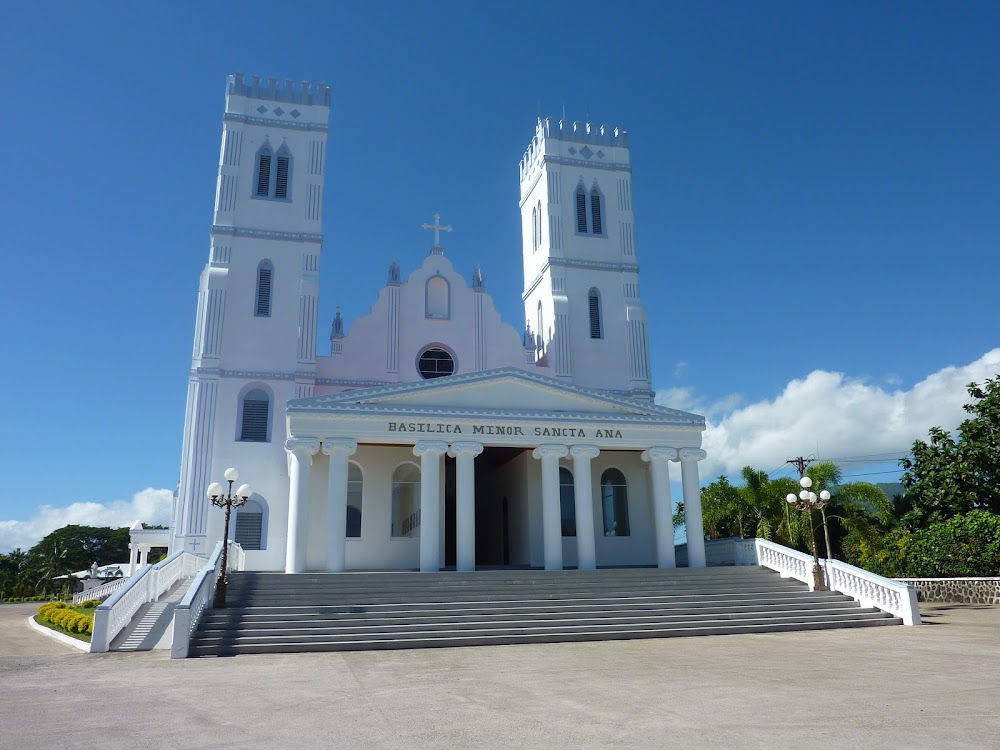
pixel 594 302
pixel 263 307
pixel 264 173
pixel 256 407
pixel 595 212
pixel 249 526
pixel 281 181
pixel 581 211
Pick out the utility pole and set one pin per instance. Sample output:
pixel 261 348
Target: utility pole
pixel 800 463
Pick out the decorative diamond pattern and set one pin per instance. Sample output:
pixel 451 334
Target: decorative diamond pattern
pixel 295 113
pixel 571 150
pixel 279 111
pixel 600 154
pixel 262 109
pixel 585 152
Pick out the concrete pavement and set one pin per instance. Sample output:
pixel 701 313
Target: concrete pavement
pixel 931 686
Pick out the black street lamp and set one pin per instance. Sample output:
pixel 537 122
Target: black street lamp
pixel 227 501
pixel 806 501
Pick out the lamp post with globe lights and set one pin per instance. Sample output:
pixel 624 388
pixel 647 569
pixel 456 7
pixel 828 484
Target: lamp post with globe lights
pixel 806 501
pixel 222 498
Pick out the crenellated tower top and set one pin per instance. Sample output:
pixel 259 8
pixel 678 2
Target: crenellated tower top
pixel 593 137
pixel 270 89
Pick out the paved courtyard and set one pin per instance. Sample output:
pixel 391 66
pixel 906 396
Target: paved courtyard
pixel 936 686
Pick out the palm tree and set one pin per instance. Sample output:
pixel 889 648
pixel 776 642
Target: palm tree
pixel 860 507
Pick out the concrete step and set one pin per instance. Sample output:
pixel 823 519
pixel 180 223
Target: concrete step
pixel 324 612
pixel 234 646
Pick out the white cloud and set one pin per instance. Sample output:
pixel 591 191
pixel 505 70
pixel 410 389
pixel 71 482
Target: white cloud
pixel 150 506
pixel 845 416
pixel 679 369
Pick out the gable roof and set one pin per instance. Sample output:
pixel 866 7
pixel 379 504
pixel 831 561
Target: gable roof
pixel 507 391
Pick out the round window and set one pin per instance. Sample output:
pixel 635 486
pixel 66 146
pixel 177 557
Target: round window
pixel 435 363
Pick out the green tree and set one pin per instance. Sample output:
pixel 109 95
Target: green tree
pixel 78 547
pixel 946 477
pixel 756 508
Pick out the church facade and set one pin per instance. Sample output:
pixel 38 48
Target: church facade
pixel 433 434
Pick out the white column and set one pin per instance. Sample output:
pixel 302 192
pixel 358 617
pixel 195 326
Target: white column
pixel 143 555
pixel 549 455
pixel 300 453
pixel 583 492
pixel 338 449
pixel 465 503
pixel 430 452
pixel 663 517
pixel 689 458
pixel 131 559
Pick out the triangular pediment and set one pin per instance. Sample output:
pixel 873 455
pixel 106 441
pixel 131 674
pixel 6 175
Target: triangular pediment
pixel 502 391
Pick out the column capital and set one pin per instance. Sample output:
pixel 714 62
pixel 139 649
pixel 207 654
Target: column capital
pixel 333 444
pixel 691 454
pixel 434 447
pixel 305 445
pixel 659 453
pixel 546 451
pixel 584 451
pixel 465 448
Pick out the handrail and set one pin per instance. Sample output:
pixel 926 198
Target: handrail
pixel 99 592
pixel 147 585
pixel 199 596
pixel 895 597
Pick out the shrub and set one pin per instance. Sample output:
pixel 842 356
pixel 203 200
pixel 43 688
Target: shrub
pixel 90 603
pixel 965 545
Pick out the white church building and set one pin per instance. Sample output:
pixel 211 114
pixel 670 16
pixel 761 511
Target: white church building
pixel 428 434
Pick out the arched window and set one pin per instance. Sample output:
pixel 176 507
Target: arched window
pixel 539 241
pixel 581 210
pixel 596 225
pixel 265 277
pixel 406 501
pixel 567 501
pixel 249 532
pixel 263 185
pixel 255 410
pixel 614 503
pixel 282 172
pixel 437 298
pixel 534 229
pixel 355 486
pixel 594 307
pixel 540 331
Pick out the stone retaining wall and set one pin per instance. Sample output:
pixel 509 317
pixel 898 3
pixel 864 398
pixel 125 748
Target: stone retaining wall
pixel 964 590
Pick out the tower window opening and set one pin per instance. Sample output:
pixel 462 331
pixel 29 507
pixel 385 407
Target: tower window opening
pixel 595 212
pixel 264 173
pixel 594 306
pixel 581 210
pixel 281 181
pixel 435 362
pixel 264 273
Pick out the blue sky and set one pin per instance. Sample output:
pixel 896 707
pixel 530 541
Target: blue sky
pixel 817 200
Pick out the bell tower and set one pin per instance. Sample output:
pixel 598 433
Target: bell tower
pixel 255 327
pixel 581 276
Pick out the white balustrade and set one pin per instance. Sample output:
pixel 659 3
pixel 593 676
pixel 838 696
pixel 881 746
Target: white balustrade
pixel 199 596
pixel 895 597
pixel 147 585
pixel 101 592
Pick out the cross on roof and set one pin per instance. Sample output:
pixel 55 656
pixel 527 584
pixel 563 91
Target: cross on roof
pixel 438 228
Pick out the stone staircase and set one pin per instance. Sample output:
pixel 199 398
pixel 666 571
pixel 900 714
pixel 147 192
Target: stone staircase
pixel 277 613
